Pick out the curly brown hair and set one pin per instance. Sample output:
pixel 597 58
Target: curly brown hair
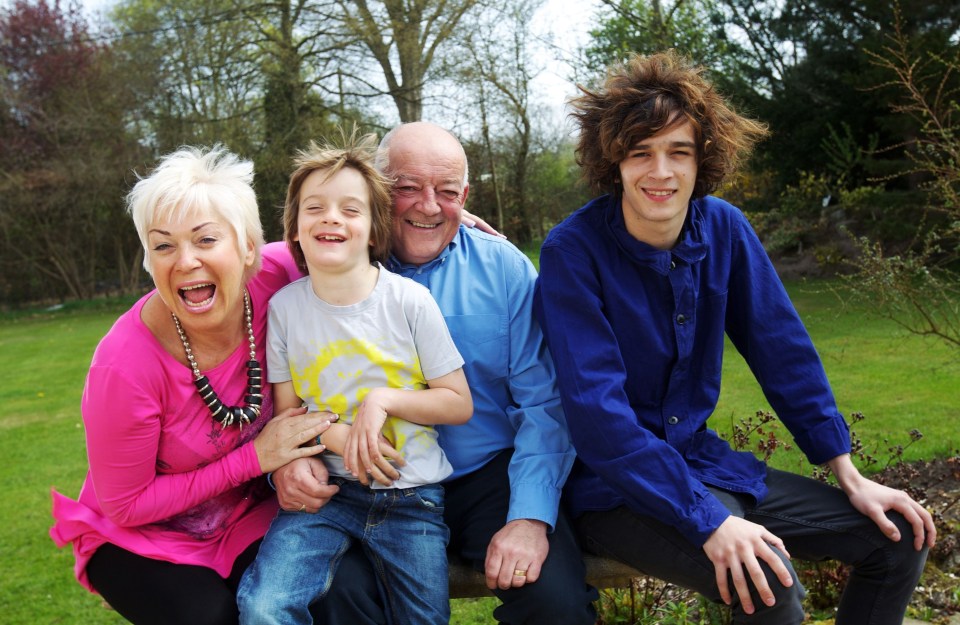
pixel 355 153
pixel 647 95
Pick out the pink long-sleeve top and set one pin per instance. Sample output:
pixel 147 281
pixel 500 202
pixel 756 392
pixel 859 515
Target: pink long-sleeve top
pixel 165 480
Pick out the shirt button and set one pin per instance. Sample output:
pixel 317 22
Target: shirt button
pixel 681 319
pixel 673 420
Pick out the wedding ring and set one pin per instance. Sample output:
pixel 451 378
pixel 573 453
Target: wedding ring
pixel 519 572
pixel 303 507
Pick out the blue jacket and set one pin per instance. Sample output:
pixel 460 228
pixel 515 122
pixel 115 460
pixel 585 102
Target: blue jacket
pixel 637 335
pixel 484 287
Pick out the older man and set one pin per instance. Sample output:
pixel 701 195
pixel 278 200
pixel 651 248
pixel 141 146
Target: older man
pixel 512 458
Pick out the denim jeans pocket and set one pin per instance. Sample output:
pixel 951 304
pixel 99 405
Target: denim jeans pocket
pixel 429 496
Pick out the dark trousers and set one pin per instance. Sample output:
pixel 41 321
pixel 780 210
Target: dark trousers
pixel 147 591
pixel 815 521
pixel 475 509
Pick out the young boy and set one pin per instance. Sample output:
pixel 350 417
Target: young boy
pixel 354 339
pixel 635 294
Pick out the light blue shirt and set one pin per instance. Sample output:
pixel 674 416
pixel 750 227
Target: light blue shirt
pixel 484 287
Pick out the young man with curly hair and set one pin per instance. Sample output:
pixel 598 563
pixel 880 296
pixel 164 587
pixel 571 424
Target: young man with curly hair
pixel 636 292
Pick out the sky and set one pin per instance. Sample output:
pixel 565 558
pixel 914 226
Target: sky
pixel 568 21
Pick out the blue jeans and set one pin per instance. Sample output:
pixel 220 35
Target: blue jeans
pixel 815 521
pixel 476 508
pixel 400 530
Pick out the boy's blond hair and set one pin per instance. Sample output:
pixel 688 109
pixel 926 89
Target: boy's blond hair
pixel 357 153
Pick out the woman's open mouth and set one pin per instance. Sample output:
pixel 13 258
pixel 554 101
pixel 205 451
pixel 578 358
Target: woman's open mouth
pixel 197 295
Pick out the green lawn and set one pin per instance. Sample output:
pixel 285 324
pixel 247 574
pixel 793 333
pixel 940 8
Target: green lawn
pixel 44 359
pixel 899 381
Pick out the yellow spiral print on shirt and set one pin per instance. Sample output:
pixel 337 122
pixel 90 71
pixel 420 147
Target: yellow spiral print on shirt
pixel 357 359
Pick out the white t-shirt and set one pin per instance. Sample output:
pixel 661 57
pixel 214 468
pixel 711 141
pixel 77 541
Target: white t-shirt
pixel 335 355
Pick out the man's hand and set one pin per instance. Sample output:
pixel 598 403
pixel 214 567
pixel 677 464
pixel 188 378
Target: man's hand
pixel 734 548
pixel 302 485
pixel 516 554
pixel 873 500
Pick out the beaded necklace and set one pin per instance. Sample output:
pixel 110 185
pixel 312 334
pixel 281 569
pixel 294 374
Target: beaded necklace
pixel 228 415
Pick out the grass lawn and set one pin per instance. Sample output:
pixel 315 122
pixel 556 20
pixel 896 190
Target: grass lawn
pixel 899 381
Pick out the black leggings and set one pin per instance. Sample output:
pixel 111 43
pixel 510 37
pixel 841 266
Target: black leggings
pixel 147 591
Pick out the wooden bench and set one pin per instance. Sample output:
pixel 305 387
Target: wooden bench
pixel 601 573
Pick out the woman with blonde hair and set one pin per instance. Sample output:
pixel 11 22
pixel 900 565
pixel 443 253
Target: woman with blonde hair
pixel 179 421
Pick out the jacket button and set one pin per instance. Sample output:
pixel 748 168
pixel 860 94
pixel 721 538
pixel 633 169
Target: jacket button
pixel 673 420
pixel 681 319
pixel 673 265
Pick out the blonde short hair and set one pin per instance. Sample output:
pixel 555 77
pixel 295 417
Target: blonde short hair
pixel 199 179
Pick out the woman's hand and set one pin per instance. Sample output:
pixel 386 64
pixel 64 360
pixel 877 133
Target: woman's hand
pixel 281 438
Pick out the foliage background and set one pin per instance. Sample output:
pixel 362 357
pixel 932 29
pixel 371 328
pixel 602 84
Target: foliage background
pixel 88 104
pixel 859 178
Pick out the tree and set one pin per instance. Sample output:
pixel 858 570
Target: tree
pixel 504 129
pixel 497 64
pixel 249 75
pixel 649 26
pixel 404 38
pixel 64 160
pixel 297 55
pixel 694 28
pixel 920 288
pixel 195 69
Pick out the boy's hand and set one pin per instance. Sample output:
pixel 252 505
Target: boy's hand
pixel 367 454
pixel 362 451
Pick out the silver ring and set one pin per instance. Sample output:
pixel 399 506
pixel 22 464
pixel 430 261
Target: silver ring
pixel 303 507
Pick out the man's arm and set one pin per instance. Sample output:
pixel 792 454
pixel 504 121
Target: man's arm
pixel 543 453
pixel 766 329
pixel 780 352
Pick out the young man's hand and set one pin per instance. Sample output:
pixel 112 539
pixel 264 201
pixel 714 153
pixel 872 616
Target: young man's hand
pixel 736 548
pixel 873 500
